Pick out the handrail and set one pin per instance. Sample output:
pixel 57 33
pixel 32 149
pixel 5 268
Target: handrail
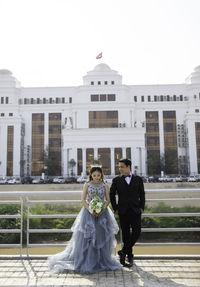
pixel 28 202
pixel 8 216
pixel 39 192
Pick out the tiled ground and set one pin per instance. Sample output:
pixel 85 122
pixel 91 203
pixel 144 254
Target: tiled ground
pixel 147 273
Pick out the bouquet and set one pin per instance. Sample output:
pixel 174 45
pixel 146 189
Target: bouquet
pixel 96 205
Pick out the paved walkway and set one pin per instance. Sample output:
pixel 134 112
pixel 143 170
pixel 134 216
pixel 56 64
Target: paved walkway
pixel 146 272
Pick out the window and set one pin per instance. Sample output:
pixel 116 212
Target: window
pixel 38 100
pixel 152 127
pixel 63 100
pixel 169 127
pixel 37 143
pixel 102 98
pixel 111 97
pixel 196 110
pixel 135 98
pixel 103 119
pixel 25 101
pixel 149 98
pixel 92 83
pixel 50 100
pixel 181 98
pixel 168 98
pixel 57 100
pixel 6 100
pixel 105 159
pixel 70 100
pixel 2 100
pixel 142 98
pixel 10 114
pixel 44 100
pixel 152 115
pixel 31 100
pixel 105 82
pixel 169 114
pixel 99 82
pixel 155 98
pixel 2 114
pixel 94 98
pixel 161 98
pixel 112 82
pixel 174 97
pixel 10 145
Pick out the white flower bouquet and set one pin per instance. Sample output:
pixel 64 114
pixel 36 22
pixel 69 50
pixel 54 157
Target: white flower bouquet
pixel 96 205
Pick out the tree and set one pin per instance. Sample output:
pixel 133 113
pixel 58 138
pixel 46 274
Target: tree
pixel 171 161
pixel 96 161
pixel 22 164
pixel 154 166
pixel 154 162
pixel 50 166
pixel 71 164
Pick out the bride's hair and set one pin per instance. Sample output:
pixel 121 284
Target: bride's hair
pixel 93 169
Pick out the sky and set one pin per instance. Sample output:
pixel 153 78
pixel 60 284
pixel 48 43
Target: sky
pixel 50 43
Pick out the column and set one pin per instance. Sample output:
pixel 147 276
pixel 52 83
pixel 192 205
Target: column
pixel 95 153
pixel 3 155
pixel 65 163
pixel 124 152
pixel 112 159
pixel 137 161
pixel 192 150
pixel 84 161
pixel 16 149
pixel 132 159
pixel 143 161
pixel 140 160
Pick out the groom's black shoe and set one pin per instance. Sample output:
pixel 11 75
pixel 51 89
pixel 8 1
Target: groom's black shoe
pixel 122 257
pixel 130 260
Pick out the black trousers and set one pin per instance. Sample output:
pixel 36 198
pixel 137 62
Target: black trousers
pixel 130 223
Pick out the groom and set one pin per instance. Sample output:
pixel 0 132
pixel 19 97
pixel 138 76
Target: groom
pixel 131 200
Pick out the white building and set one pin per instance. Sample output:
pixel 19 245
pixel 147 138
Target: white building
pixel 102 120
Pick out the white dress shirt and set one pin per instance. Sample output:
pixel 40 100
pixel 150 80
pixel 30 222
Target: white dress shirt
pixel 128 178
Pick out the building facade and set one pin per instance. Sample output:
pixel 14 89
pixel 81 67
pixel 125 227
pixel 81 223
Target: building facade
pixel 99 121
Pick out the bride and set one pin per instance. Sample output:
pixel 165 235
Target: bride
pixel 91 248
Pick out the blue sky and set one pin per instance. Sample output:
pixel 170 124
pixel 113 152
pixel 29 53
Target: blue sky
pixel 55 42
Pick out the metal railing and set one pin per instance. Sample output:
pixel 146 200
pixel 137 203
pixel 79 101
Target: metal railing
pixel 30 216
pixel 28 202
pixel 15 216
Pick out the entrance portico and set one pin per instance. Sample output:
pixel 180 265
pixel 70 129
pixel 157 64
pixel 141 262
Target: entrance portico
pixel 87 146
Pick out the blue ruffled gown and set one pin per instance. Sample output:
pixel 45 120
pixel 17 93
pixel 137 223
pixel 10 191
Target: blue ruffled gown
pixel 92 245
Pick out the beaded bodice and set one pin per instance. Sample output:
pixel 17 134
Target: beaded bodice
pixel 96 189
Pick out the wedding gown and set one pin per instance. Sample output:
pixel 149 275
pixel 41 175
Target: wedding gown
pixel 92 245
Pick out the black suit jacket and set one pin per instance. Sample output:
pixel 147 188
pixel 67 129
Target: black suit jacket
pixel 130 196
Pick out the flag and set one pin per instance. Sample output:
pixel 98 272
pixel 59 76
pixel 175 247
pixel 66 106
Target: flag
pixel 99 56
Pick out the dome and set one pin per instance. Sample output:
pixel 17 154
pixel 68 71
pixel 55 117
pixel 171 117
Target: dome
pixel 7 80
pixel 194 77
pixel 100 74
pixel 102 68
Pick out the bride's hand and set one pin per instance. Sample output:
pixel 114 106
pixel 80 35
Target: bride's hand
pixel 95 214
pixel 100 213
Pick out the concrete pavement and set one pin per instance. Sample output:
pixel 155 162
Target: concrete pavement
pixel 145 272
